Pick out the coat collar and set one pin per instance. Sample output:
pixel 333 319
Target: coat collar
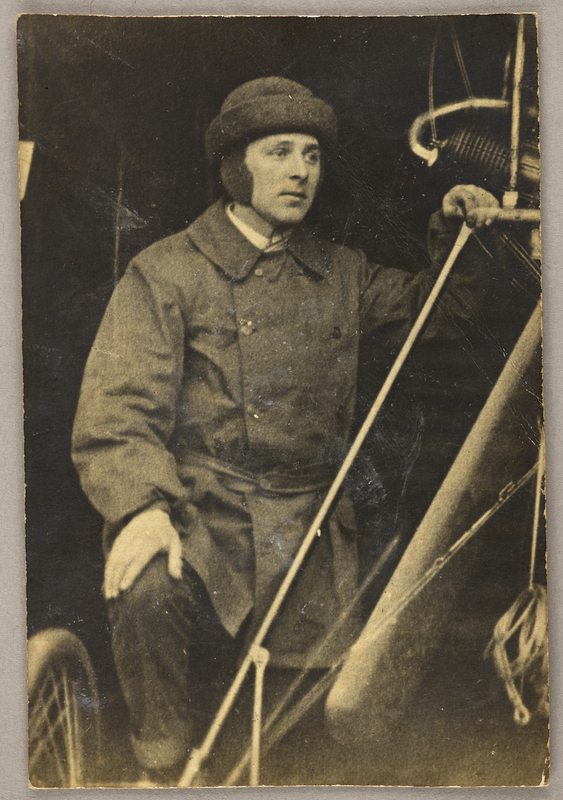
pixel 214 234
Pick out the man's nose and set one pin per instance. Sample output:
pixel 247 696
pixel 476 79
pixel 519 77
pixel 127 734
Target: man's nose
pixel 298 167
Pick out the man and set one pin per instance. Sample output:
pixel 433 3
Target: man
pixel 215 412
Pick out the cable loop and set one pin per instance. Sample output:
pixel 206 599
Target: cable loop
pixel 523 627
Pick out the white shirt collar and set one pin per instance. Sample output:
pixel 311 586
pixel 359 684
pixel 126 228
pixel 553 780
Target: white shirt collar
pixel 266 244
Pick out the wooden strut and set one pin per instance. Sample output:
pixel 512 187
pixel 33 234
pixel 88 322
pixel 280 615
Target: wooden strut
pixel 511 197
pixel 529 216
pixel 260 657
pixel 198 756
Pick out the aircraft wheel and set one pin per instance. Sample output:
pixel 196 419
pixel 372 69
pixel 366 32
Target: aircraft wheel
pixel 63 711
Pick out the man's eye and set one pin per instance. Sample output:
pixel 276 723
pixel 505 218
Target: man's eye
pixel 313 158
pixel 281 153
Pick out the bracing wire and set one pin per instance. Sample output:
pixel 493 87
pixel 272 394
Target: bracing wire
pixel 520 253
pixel 431 82
pixel 539 482
pixel 463 70
pixel 460 61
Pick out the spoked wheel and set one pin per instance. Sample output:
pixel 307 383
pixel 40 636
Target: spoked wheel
pixel 63 711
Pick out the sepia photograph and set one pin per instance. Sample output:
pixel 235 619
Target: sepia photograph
pixel 283 402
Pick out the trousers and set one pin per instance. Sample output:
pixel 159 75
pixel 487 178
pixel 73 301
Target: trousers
pixel 174 659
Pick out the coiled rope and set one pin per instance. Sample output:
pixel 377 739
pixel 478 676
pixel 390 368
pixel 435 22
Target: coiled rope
pixel 526 623
pixel 523 629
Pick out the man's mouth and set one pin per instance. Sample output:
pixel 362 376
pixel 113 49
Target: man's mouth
pixel 298 195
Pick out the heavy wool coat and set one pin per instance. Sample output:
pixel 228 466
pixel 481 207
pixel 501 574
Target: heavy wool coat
pixel 221 387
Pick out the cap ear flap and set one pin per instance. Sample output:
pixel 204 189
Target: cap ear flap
pixel 236 177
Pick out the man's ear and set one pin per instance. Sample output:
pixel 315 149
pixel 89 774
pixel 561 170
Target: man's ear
pixel 236 177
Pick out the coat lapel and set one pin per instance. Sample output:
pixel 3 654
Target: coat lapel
pixel 214 234
pixel 220 241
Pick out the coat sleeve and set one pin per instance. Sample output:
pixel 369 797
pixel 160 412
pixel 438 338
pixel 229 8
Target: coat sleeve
pixel 392 298
pixel 127 406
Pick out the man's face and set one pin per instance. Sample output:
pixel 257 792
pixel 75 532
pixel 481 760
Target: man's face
pixel 285 169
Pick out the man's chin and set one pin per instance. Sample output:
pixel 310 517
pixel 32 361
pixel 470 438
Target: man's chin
pixel 288 217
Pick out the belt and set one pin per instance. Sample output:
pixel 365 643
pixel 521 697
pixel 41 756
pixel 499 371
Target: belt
pixel 300 480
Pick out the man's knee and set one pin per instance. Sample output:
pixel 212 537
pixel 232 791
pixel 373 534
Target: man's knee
pixel 151 595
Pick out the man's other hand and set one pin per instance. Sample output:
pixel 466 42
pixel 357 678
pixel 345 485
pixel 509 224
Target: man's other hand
pixel 472 204
pixel 147 534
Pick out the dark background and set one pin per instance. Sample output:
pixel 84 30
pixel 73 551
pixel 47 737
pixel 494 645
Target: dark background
pixel 118 108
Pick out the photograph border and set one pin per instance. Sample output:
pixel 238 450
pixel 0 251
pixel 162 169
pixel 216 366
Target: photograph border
pixel 13 731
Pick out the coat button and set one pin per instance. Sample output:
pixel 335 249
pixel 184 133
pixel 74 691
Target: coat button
pixel 336 332
pixel 246 326
pixel 259 271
